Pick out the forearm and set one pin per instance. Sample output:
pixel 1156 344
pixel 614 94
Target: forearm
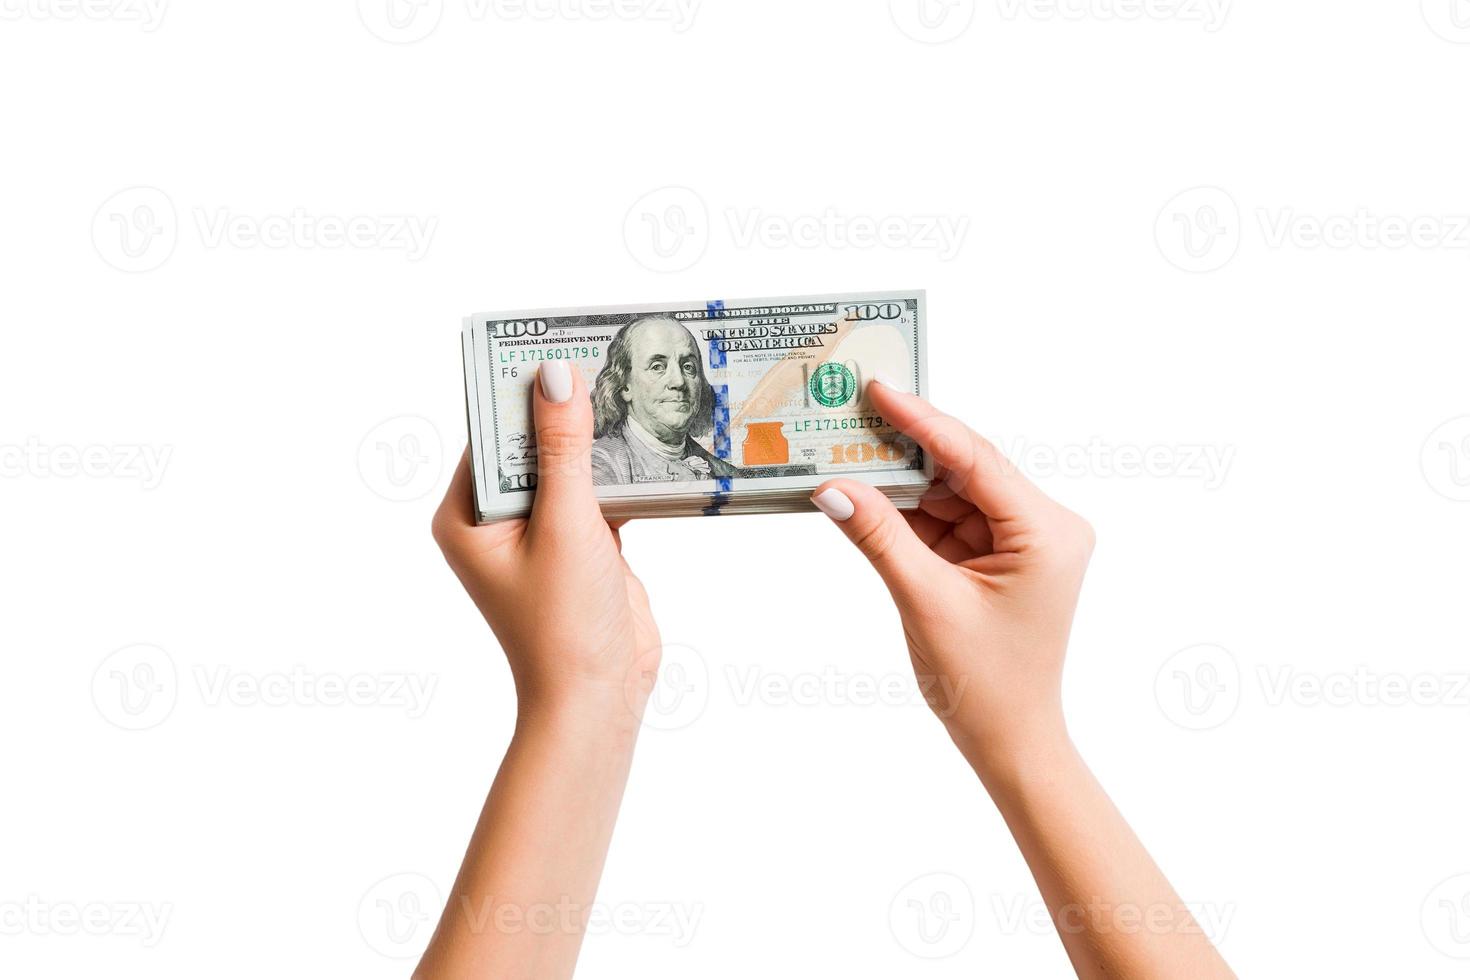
pixel 520 905
pixel 1116 913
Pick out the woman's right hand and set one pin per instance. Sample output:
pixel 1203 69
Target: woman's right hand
pixel 985 575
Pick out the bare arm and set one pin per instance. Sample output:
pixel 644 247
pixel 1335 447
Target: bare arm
pixel 583 648
pixel 1115 911
pixel 986 576
pixel 519 907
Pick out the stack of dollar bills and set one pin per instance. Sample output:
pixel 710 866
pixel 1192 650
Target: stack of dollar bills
pixel 734 406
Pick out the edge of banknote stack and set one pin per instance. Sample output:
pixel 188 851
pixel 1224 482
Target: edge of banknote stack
pixel 775 405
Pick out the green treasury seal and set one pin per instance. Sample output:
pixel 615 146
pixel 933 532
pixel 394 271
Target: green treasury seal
pixel 833 384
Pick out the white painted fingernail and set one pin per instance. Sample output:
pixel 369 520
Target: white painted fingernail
pixel 834 503
pixel 888 381
pixel 556 381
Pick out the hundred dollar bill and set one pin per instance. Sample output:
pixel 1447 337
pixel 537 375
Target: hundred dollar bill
pixel 704 407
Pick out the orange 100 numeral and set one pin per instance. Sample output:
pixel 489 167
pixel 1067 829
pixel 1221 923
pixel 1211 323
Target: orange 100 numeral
pixel 866 452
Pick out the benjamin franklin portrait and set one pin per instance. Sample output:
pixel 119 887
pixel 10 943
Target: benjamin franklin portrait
pixel 650 400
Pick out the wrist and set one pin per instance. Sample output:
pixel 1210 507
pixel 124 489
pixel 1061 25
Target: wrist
pixel 603 714
pixel 1011 754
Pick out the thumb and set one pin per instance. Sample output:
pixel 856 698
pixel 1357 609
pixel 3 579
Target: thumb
pixel 563 415
pixel 871 522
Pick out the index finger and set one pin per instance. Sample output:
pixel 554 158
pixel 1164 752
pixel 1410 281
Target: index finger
pixel 972 464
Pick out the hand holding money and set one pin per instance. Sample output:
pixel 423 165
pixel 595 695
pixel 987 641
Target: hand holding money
pixel 536 579
pixel 716 407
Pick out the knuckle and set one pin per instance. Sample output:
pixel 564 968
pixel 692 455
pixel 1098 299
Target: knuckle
pixel 559 440
pixel 877 542
pixel 1088 534
pixel 991 461
pixel 951 439
pixel 1074 534
pixel 443 530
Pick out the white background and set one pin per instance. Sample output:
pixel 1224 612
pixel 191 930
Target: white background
pixel 1096 307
